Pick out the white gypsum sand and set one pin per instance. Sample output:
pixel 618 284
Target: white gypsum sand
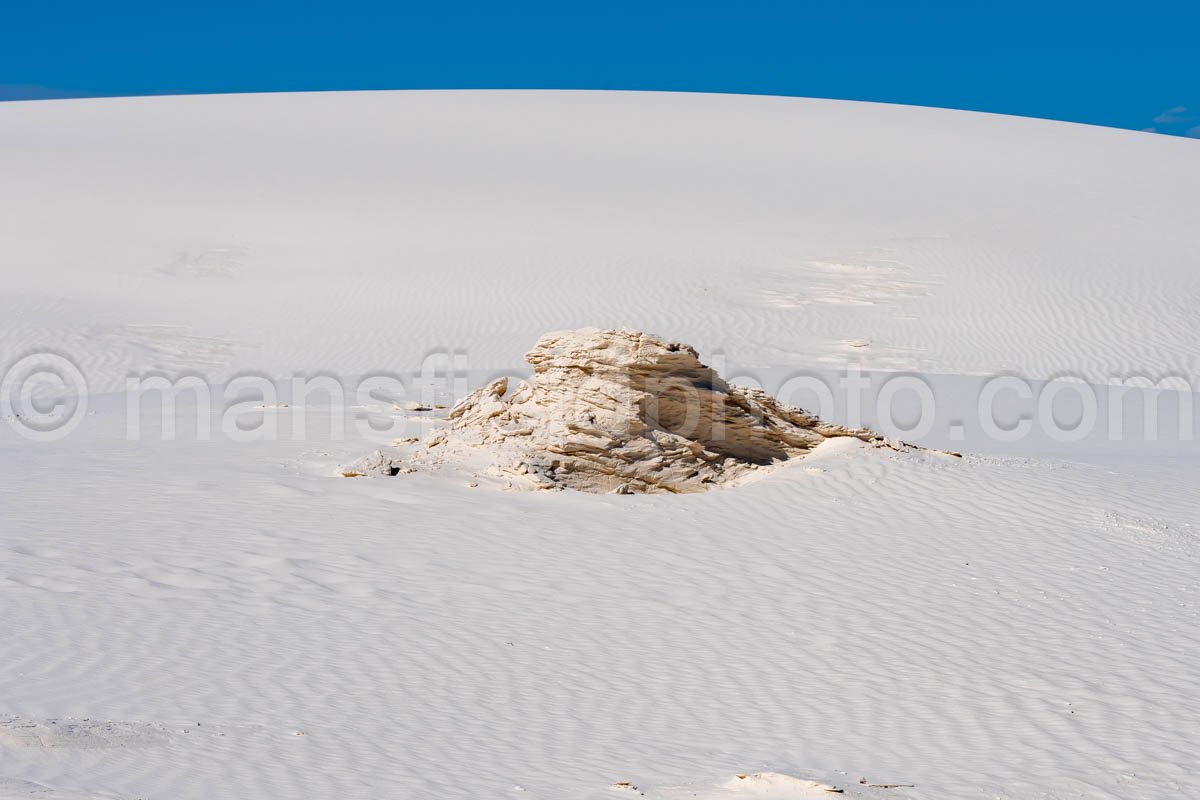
pixel 230 619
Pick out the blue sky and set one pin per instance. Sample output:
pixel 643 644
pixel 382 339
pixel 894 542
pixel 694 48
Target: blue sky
pixel 1131 66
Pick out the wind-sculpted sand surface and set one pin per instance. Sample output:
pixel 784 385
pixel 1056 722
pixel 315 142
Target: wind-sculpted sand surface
pixel 223 617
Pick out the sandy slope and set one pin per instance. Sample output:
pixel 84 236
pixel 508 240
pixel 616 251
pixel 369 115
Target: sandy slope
pixel 346 231
pixel 227 620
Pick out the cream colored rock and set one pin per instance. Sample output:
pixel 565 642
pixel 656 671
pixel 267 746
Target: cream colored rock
pixel 628 412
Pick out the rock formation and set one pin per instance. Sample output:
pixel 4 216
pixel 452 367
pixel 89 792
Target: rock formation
pixel 619 411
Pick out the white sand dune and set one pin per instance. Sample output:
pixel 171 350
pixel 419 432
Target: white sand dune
pixel 1018 624
pixel 316 230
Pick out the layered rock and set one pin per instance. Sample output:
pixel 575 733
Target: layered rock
pixel 623 411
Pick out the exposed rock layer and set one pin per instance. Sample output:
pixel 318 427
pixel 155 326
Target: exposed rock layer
pixel 623 411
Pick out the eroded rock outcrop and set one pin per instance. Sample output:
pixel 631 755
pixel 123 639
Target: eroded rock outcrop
pixel 619 411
